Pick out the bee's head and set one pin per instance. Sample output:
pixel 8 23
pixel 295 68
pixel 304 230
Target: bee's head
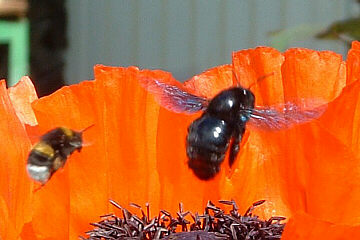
pixel 246 98
pixel 73 140
pixel 228 103
pixel 76 141
pixel 247 103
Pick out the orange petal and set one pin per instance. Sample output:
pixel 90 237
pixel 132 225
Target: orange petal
pixel 22 95
pixel 152 172
pixel 319 176
pixel 329 183
pixel 15 190
pixel 353 63
pixel 255 176
pixel 260 69
pixel 60 204
pixel 306 74
pixel 344 112
pixel 28 232
pixel 7 228
pixel 311 74
pixel 305 227
pixel 318 173
pixel 210 82
pixel 128 117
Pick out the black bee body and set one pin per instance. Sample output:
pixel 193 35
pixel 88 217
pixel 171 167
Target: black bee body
pixel 209 136
pixel 222 124
pixel 51 152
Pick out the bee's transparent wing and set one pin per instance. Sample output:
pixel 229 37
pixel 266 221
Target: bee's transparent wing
pixel 283 116
pixel 173 98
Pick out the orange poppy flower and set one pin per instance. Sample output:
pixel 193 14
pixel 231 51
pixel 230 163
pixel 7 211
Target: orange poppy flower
pixel 136 150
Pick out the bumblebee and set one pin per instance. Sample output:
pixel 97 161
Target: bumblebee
pixel 52 151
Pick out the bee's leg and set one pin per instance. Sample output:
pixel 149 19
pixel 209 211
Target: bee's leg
pixel 235 144
pixel 38 188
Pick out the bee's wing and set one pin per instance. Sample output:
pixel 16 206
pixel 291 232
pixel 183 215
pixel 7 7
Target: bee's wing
pixel 172 97
pixel 283 116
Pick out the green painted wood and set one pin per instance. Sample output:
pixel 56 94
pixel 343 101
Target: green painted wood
pixel 16 35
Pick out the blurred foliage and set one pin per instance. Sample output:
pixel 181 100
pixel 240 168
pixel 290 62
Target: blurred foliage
pixel 281 39
pixel 346 31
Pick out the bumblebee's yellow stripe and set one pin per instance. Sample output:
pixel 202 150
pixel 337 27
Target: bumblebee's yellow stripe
pixel 68 132
pixel 44 148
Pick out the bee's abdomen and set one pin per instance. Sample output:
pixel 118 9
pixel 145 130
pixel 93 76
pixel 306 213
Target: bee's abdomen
pixel 38 173
pixel 209 133
pixel 207 142
pixel 204 163
pixel 42 154
pixel 39 165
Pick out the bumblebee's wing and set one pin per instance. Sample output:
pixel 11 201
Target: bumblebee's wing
pixel 283 116
pixel 172 97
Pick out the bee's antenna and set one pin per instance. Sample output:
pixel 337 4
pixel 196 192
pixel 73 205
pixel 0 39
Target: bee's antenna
pixel 260 79
pixel 236 78
pixel 85 129
pixel 233 72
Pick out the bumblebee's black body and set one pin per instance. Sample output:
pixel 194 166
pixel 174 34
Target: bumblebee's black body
pixel 51 152
pixel 209 136
pixel 64 141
